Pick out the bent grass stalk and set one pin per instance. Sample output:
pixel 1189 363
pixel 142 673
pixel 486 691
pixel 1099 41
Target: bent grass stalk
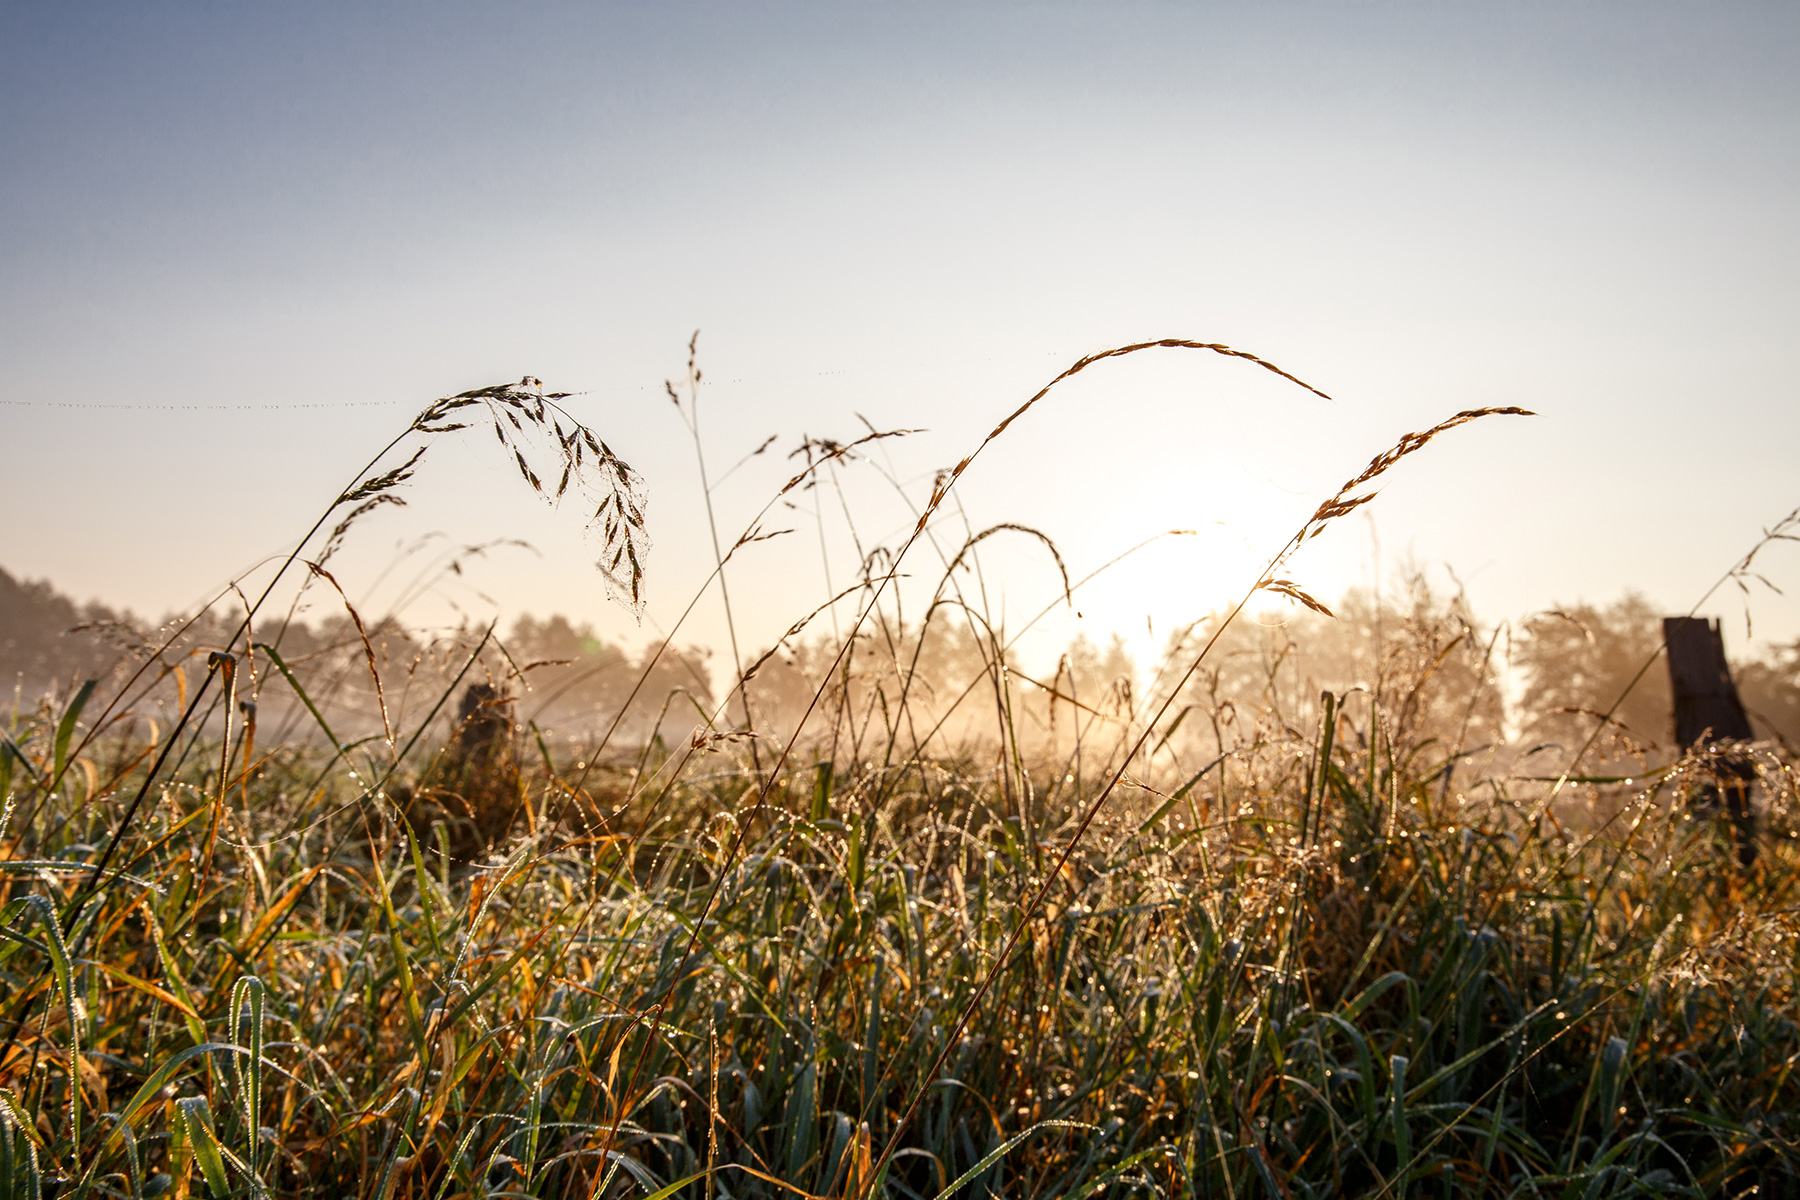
pixel 584 456
pixel 886 990
pixel 1341 503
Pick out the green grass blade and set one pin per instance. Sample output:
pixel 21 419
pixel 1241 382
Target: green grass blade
pixel 65 730
pixel 317 716
pixel 999 1152
pixel 196 1119
pixel 247 1026
pixel 73 1005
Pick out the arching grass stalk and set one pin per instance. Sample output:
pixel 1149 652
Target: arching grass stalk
pixel 940 491
pixel 1344 501
pixel 522 417
pixel 1341 503
pixel 514 411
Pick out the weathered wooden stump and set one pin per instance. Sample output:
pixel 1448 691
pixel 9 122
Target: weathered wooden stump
pixel 473 788
pixel 1708 712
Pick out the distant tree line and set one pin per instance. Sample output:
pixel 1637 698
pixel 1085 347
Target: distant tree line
pixel 557 673
pixel 1544 683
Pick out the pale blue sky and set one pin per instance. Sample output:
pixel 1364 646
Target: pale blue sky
pixel 918 213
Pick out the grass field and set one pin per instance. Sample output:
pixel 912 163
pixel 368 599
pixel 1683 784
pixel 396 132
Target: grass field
pixel 1207 939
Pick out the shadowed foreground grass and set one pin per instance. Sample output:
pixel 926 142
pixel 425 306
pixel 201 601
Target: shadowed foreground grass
pixel 1282 980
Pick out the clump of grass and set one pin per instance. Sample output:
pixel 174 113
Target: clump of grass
pixel 1215 954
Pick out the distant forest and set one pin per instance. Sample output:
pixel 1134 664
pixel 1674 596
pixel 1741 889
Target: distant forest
pixel 1540 683
pixel 561 674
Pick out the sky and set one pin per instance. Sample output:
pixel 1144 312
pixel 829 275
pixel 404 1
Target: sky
pixel 242 244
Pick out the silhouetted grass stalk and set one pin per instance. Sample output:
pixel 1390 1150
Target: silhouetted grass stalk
pixel 1227 961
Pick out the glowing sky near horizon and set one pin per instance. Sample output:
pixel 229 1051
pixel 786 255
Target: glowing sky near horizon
pixel 215 216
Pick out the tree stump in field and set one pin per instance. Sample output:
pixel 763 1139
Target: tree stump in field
pixel 474 787
pixel 1708 712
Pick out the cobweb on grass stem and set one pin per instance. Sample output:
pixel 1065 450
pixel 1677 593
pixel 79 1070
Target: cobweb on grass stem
pixel 546 443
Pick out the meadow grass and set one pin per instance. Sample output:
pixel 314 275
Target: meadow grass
pixel 1213 947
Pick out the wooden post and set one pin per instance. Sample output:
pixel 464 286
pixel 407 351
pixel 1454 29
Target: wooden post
pixel 1707 711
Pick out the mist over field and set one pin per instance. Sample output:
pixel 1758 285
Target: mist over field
pixel 1209 610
